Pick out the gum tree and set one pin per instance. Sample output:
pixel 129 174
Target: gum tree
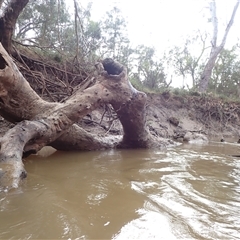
pixel 215 48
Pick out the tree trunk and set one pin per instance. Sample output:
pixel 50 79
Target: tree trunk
pixel 207 72
pixel 8 21
pixel 42 123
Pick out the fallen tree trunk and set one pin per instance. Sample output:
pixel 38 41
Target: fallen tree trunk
pixel 41 123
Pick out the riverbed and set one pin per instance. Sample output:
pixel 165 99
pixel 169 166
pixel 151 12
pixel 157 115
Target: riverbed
pixel 187 192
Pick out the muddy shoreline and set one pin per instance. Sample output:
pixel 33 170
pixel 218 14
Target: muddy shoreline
pixel 171 116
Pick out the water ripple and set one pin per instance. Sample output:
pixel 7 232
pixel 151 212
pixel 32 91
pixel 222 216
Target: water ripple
pixel 189 192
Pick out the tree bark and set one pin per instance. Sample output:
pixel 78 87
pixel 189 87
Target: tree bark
pixel 215 50
pixel 8 22
pixel 207 72
pixel 41 123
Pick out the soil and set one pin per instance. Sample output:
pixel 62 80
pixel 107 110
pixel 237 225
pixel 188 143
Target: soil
pixel 171 116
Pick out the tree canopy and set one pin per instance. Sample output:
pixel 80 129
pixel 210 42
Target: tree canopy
pixel 47 27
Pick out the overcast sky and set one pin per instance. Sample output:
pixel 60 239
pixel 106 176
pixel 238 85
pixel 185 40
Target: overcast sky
pixel 161 23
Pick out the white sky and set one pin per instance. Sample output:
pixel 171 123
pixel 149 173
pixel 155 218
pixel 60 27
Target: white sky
pixel 160 23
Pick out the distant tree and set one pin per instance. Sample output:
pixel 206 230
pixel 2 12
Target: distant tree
pixel 225 78
pixel 93 34
pixel 215 49
pixel 43 22
pixel 48 25
pixel 184 59
pixel 149 69
pixel 115 42
pixel 88 34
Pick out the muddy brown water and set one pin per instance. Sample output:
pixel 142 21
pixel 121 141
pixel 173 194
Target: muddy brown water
pixel 187 192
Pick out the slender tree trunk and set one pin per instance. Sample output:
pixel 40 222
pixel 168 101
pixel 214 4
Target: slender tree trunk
pixel 8 22
pixel 207 72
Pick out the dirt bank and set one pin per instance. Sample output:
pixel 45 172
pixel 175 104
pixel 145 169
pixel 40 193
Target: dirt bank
pixel 171 116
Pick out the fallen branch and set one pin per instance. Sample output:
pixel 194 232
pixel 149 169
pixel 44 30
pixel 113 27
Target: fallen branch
pixel 44 123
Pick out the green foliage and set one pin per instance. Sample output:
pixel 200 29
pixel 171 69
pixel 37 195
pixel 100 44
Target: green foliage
pixel 180 91
pixel 47 25
pixel 225 78
pixel 44 22
pixel 149 69
pixel 114 42
pixel 93 30
pixel 138 84
pixel 88 35
pixel 186 61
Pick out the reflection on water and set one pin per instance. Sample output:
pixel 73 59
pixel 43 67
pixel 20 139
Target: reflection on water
pixel 189 192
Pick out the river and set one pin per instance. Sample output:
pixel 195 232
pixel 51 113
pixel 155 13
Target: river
pixel 187 192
